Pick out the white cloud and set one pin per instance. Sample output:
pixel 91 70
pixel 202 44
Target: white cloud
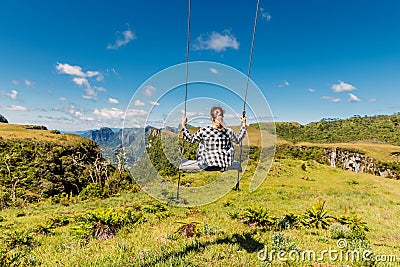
pixel 139 103
pixel 213 70
pixel 100 89
pixel 217 42
pixel 332 99
pixel 190 113
pixel 90 93
pixel 81 81
pixel 62 99
pixel 265 15
pixel 70 70
pixel 91 73
pixel 109 113
pixel 122 39
pixel 342 87
pixel 136 112
pixel 353 98
pixel 154 103
pixel 28 83
pixel 113 101
pixel 15 82
pixel 74 112
pixel 312 90
pixel 116 113
pixel 231 116
pixel 372 100
pixel 13 94
pixel 284 84
pixel 80 78
pixel 16 108
pixel 149 90
pixel 81 116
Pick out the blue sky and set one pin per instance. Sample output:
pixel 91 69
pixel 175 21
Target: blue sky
pixel 74 65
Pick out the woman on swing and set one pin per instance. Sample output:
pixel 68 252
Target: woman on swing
pixel 215 152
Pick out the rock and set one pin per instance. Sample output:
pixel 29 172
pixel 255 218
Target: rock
pixel 3 119
pixel 102 135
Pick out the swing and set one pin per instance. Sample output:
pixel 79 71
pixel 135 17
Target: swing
pixel 192 165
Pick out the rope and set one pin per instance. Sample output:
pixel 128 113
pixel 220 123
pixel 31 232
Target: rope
pixel 247 84
pixel 186 93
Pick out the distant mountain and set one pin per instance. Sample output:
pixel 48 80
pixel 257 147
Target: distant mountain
pixel 3 119
pixel 112 140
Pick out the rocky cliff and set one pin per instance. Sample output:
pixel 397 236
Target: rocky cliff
pixel 357 162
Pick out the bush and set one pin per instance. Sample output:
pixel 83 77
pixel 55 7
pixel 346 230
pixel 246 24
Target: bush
pixel 104 223
pixel 316 216
pixel 154 208
pixel 290 221
pixel 55 132
pixel 357 226
pixel 258 216
pixel 338 230
pixel 280 242
pixel 19 239
pixel 92 191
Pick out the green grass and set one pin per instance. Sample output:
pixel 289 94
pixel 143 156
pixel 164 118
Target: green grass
pixel 16 131
pixel 221 240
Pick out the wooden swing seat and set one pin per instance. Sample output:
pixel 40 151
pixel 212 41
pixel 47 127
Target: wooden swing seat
pixel 192 165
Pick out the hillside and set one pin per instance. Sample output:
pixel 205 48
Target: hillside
pixel 36 163
pixel 39 133
pixel 384 129
pixel 303 204
pixel 228 232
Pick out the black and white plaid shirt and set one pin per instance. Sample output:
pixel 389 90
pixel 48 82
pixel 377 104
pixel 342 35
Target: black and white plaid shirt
pixel 215 148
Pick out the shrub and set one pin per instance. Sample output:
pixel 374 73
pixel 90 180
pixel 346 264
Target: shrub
pixel 289 221
pixel 19 239
pixel 258 216
pixel 58 221
pixel 356 225
pixel 234 214
pixel 154 208
pixel 338 230
pixel 316 216
pixel 281 242
pixel 104 223
pixel 92 191
pixel 55 132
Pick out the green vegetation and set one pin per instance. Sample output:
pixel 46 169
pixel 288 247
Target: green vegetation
pixel 377 129
pixel 380 129
pixel 287 212
pixel 36 164
pixel 302 205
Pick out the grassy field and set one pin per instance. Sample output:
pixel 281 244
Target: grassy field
pixel 220 239
pixel 15 131
pixel 156 234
